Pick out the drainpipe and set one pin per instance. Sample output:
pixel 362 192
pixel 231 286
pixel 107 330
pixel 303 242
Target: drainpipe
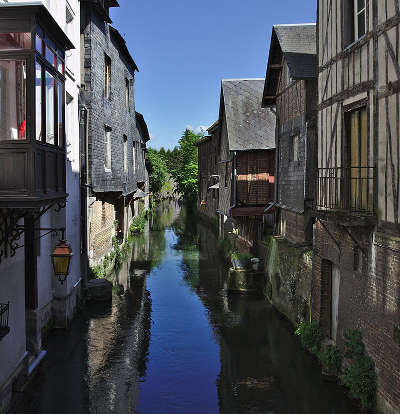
pixel 234 184
pixel 83 136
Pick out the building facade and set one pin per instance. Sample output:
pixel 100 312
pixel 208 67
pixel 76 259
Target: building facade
pixel 208 155
pixel 356 235
pixel 291 87
pixel 39 85
pixel 247 156
pixel 114 150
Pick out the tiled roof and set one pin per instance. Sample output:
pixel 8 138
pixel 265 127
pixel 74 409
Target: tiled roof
pixel 249 126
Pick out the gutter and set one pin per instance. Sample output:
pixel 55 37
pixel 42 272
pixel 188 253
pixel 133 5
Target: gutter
pixel 234 184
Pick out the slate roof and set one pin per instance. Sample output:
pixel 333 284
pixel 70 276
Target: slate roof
pixel 249 126
pixel 298 43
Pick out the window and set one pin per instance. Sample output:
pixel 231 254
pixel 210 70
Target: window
pixel 60 114
pixel 294 151
pixel 107 148
pixel 49 94
pixel 107 77
pixel 38 100
pixel 12 41
pixel 355 20
pixel 12 99
pixel 359 18
pixel 357 157
pixel 127 94
pixel 226 174
pixel 134 157
pixel 125 144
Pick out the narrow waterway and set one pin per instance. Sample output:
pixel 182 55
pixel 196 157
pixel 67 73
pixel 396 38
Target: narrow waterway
pixel 173 341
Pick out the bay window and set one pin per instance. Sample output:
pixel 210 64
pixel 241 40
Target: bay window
pixel 32 105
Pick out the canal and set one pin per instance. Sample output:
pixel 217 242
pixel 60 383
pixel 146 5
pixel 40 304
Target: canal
pixel 173 341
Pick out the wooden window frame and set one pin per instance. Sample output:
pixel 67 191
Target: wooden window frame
pixel 357 12
pixel 107 77
pixel 107 149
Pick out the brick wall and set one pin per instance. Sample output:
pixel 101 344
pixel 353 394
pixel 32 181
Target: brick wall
pixel 369 297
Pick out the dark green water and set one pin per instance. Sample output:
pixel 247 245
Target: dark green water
pixel 173 341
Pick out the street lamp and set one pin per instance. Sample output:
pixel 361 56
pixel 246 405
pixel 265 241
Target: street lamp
pixel 61 258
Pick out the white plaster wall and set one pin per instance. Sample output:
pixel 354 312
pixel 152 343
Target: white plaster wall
pixel 12 289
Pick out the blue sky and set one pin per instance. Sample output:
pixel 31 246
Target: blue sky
pixel 183 49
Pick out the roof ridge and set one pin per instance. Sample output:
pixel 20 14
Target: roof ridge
pixel 295 24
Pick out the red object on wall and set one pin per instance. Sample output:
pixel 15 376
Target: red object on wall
pixel 21 130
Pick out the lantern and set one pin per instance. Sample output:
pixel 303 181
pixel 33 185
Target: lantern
pixel 61 258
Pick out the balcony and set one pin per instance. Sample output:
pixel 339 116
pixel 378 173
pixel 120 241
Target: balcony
pixel 346 195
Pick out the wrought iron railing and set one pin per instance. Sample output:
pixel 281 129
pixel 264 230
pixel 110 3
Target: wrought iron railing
pixel 4 311
pixel 346 189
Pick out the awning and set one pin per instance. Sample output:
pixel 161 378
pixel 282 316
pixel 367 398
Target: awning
pixel 214 187
pixel 140 194
pixel 250 211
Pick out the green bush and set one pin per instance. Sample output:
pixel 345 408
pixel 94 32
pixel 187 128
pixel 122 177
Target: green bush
pixel 354 346
pixel 360 376
pixel 331 359
pixel 310 336
pixel 96 272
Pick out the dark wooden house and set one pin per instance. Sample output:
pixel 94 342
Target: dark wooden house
pixel 208 155
pixel 247 159
pixel 291 87
pixel 356 258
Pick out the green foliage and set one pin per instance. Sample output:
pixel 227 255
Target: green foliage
pixel 331 359
pixel 224 247
pixel 354 346
pixel 157 170
pixel 360 376
pixel 96 272
pixel 183 165
pixel 241 256
pixel 310 336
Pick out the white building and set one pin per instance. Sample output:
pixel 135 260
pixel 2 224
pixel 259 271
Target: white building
pixel 36 298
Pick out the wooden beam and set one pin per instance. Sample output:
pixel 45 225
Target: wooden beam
pixel 392 54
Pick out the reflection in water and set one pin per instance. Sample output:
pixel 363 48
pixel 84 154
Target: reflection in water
pixel 174 342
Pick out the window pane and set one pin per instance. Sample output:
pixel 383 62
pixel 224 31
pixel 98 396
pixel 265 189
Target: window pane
pixel 39 44
pixel 107 150
pixel 15 41
pixel 50 56
pixel 107 77
pixel 38 100
pixel 60 114
pixel 361 24
pixel 12 99
pixel 60 66
pixel 49 108
pixel 360 5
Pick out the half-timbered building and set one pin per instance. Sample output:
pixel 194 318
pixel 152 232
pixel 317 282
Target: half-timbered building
pixel 291 87
pixel 247 159
pixel 208 156
pixel 356 246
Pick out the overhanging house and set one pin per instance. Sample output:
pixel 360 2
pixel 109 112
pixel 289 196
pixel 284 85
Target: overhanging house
pixel 291 86
pixel 114 147
pixel 356 247
pixel 247 159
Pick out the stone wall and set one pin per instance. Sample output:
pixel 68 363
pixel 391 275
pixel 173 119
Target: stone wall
pixel 101 230
pixel 289 272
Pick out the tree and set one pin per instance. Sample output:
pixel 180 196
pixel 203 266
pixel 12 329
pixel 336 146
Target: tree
pixel 157 170
pixel 183 165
